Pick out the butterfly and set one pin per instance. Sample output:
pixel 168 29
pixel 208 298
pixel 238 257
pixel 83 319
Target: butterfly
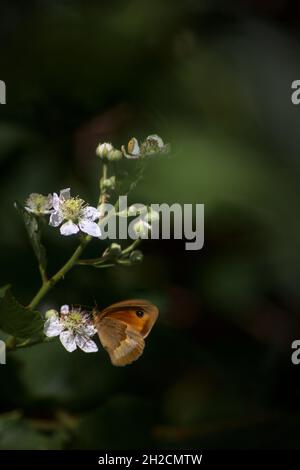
pixel 122 328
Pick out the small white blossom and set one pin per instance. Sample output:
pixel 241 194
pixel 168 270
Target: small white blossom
pixel 154 144
pixel 39 204
pixel 158 140
pixel 75 215
pixel 74 328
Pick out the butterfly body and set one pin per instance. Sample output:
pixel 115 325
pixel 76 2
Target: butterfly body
pixel 122 328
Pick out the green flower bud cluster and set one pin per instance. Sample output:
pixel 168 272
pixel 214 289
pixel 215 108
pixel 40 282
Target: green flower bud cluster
pixel 108 152
pixel 108 184
pixel 153 145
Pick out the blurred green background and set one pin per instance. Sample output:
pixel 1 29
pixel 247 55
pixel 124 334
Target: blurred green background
pixel 214 79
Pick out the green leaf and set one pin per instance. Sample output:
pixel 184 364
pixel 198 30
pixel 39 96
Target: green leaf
pixel 17 320
pixel 33 227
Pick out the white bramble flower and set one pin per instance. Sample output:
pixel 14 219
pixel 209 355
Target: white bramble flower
pixel 154 145
pixel 75 214
pixel 103 149
pixel 74 328
pixel 156 140
pixel 39 204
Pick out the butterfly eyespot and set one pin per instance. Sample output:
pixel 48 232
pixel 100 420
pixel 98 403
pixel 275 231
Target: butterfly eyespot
pixel 139 313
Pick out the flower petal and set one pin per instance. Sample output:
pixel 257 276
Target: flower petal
pixel 133 147
pixel 87 330
pixel 103 149
pixel 68 340
pixel 91 213
pixel 86 344
pixel 52 327
pixel 49 203
pixel 56 219
pixel 69 228
pixel 89 227
pixel 64 309
pixel 65 194
pixel 55 201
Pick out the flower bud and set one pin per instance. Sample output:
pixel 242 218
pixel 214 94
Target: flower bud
pixel 114 250
pixel 137 210
pixel 38 204
pixel 141 228
pixel 154 145
pixel 114 155
pixel 136 257
pixel 108 184
pixel 103 149
pixel 51 313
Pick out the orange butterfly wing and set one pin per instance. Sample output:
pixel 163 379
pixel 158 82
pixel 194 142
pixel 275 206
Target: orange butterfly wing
pixel 122 328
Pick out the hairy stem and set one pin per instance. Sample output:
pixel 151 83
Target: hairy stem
pixel 131 247
pixel 60 273
pixel 104 259
pixel 13 346
pixel 43 273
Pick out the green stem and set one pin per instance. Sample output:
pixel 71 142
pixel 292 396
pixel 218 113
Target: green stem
pixel 103 194
pixel 26 344
pixel 11 342
pixel 60 274
pixel 131 247
pixel 43 273
pixel 104 176
pixel 102 260
pixel 107 265
pixel 48 284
